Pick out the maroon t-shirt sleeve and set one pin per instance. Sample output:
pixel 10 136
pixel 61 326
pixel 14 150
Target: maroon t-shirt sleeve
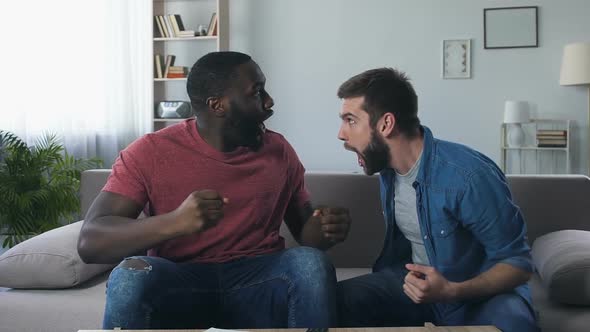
pixel 130 171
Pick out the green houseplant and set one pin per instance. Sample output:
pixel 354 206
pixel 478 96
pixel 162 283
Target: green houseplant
pixel 38 186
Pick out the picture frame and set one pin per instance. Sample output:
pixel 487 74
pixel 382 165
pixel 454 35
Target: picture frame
pixel 511 27
pixel 456 58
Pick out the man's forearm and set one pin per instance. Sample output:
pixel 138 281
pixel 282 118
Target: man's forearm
pixel 109 239
pixel 500 278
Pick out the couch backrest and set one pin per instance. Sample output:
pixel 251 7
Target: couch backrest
pixel 551 203
pixel 360 194
pixel 548 203
pixel 91 184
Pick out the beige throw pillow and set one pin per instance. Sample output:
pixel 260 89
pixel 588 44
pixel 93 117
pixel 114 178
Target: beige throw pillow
pixel 49 260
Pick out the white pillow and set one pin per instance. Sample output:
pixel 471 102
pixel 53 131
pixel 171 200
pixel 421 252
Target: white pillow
pixel 49 260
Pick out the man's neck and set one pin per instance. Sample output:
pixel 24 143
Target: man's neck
pixel 212 134
pixel 405 152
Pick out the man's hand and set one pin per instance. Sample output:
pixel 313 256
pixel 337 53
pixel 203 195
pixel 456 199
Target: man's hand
pixel 199 211
pixel 424 284
pixel 335 223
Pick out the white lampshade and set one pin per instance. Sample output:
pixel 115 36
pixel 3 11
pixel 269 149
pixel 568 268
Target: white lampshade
pixel 575 64
pixel 516 112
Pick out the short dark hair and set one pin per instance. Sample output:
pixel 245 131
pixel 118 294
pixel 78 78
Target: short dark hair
pixel 211 75
pixel 386 90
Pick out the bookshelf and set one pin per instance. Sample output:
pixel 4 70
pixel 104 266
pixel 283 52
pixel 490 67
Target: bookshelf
pixel 546 149
pixel 187 49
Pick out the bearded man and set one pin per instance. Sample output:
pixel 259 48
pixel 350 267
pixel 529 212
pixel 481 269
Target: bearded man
pixel 215 190
pixel 455 250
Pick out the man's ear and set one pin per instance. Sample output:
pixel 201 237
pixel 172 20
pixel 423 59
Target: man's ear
pixel 386 124
pixel 215 105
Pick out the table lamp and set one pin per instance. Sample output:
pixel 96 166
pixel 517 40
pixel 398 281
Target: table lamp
pixel 516 113
pixel 575 70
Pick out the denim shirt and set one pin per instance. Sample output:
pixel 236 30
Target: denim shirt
pixel 466 214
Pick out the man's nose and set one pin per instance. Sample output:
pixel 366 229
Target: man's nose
pixel 341 134
pixel 268 102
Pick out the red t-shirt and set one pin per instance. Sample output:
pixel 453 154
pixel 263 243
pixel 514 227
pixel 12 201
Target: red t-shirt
pixel 164 167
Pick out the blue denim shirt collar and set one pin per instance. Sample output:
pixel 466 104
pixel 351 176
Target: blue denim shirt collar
pixel 427 155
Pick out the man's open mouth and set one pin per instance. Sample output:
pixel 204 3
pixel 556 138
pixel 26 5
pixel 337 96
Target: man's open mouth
pixel 361 161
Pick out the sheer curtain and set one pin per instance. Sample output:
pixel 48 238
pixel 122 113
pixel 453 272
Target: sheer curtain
pixel 80 69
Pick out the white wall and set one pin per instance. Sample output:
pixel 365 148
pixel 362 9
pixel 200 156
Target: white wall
pixel 307 48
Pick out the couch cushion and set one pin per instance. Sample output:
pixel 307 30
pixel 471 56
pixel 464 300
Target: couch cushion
pixel 80 307
pixel 563 261
pixel 556 317
pixel 49 260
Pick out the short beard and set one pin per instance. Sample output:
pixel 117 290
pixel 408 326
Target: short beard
pixel 376 155
pixel 244 130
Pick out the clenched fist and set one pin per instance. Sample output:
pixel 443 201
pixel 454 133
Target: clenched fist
pixel 335 223
pixel 199 211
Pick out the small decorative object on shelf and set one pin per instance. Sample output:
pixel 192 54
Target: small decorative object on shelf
pixel 516 113
pixel 546 151
pixel 173 109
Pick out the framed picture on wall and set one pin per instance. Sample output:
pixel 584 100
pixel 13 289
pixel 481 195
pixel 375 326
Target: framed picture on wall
pixel 510 27
pixel 456 58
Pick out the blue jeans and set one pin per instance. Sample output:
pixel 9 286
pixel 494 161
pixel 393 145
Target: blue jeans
pixel 378 299
pixel 291 288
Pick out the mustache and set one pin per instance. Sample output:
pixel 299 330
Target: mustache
pixel 350 148
pixel 251 121
pixel 267 114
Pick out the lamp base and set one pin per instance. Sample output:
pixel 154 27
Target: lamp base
pixel 515 136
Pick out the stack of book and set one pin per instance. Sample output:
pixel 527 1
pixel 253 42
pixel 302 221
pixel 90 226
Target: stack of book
pixel 170 26
pixel 551 138
pixel 167 69
pixel 177 72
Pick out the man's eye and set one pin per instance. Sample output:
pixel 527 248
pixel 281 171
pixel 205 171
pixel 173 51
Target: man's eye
pixel 351 121
pixel 257 93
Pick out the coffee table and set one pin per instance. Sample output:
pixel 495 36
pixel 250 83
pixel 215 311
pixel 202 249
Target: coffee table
pixel 427 328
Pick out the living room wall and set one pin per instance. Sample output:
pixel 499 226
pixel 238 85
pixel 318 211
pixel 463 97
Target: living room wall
pixel 307 48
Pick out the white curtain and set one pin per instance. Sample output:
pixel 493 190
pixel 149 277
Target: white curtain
pixel 80 69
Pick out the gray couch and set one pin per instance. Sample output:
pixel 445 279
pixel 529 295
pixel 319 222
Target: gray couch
pixel 549 203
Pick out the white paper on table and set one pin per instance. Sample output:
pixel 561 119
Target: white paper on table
pixel 213 329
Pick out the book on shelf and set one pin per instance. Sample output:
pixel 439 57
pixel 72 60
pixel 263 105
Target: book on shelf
pixel 174 25
pixel 212 31
pixel 160 19
pixel 552 146
pixel 179 22
pixel 186 34
pixel 158 64
pixel 170 26
pixel 552 142
pixel 176 75
pixel 551 132
pixel 177 69
pixel 158 32
pixel 177 72
pixel 169 63
pixel 549 137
